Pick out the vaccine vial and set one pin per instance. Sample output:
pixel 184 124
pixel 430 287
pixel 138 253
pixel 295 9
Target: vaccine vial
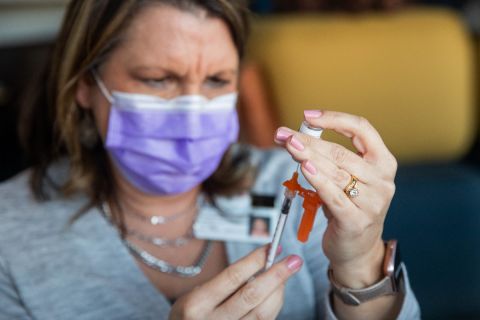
pixel 311 131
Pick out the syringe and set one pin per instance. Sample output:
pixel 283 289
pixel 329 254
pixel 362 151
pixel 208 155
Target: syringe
pixel 287 202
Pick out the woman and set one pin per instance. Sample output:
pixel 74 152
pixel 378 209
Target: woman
pixel 136 132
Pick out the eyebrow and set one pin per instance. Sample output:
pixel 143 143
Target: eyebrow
pixel 234 71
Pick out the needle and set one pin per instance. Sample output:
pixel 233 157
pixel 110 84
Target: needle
pixel 287 202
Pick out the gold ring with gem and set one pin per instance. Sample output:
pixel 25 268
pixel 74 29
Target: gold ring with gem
pixel 351 189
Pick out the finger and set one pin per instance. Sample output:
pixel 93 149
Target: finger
pixel 303 147
pixel 370 192
pixel 300 147
pixel 333 197
pixel 282 134
pixel 270 308
pixel 335 180
pixel 232 278
pixel 364 136
pixel 255 292
pixel 340 178
pixel 347 160
pixel 373 198
pixel 332 155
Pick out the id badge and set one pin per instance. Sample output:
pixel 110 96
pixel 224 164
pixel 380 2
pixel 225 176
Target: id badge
pixel 248 218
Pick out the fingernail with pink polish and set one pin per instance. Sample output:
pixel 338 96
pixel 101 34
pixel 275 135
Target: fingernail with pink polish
pixel 312 114
pixel 296 143
pixel 282 134
pixel 294 263
pixel 310 167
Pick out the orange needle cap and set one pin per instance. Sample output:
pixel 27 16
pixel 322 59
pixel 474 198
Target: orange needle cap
pixel 311 203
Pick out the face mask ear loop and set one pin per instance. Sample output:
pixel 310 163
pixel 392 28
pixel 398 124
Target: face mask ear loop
pixel 102 87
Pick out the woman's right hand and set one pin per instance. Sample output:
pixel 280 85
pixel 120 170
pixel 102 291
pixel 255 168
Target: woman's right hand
pixel 234 294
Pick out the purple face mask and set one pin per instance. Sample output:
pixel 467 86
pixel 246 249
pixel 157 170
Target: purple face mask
pixel 166 147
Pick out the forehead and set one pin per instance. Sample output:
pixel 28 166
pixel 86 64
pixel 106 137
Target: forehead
pixel 162 32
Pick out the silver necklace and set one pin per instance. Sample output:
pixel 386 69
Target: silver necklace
pixel 165 267
pixel 156 220
pixel 161 265
pixel 162 242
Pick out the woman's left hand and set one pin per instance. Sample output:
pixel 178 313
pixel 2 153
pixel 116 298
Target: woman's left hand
pixel 352 240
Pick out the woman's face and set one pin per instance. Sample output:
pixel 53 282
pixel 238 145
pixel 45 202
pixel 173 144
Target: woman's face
pixel 259 227
pixel 166 52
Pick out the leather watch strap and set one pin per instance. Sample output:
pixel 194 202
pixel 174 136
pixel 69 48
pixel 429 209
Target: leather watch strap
pixel 357 296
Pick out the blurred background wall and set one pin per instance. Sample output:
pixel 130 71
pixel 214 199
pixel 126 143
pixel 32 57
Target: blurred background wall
pixel 27 33
pixel 410 67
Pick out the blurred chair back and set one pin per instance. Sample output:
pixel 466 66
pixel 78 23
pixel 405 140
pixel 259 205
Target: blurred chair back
pixel 410 73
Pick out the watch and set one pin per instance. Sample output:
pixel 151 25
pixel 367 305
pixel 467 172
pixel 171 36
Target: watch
pixel 391 284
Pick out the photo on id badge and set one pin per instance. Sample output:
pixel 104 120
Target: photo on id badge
pixel 259 226
pixel 246 218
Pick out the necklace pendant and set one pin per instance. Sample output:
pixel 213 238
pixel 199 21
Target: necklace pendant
pixel 155 220
pixel 159 242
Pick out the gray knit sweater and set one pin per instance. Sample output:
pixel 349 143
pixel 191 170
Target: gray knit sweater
pixel 52 270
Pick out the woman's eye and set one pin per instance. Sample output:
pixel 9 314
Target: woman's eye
pixel 216 82
pixel 160 82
